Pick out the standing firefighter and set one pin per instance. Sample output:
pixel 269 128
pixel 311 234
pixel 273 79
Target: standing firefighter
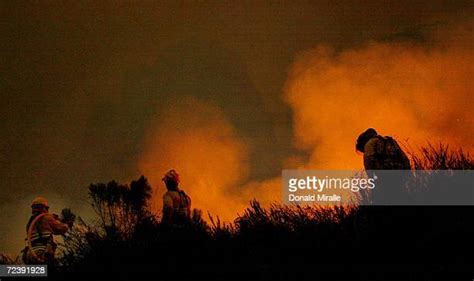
pixel 176 204
pixel 40 230
pixel 384 153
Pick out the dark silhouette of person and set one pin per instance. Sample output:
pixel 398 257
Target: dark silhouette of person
pixel 381 153
pixel 176 203
pixel 382 156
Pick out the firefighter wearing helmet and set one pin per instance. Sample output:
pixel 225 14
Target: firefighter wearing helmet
pixel 176 203
pixel 381 153
pixel 384 153
pixel 40 229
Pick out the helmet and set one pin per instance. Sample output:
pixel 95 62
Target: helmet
pixel 364 138
pixel 171 175
pixel 40 201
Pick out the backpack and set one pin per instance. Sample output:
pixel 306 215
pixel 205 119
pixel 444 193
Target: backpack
pixel 393 156
pixel 185 203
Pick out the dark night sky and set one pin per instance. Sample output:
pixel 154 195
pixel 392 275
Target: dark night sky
pixel 80 81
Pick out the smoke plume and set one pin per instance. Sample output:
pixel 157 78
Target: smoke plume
pixel 416 93
pixel 196 139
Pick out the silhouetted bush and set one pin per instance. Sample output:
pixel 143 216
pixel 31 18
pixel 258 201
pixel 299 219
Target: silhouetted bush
pixel 6 259
pixel 120 207
pixel 441 157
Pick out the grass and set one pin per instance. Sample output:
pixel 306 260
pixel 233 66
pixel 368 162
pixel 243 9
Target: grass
pixel 283 242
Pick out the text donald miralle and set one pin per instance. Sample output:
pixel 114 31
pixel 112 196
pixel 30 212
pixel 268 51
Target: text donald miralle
pixel 324 188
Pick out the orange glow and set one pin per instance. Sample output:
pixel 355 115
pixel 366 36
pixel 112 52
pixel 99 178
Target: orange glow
pixel 195 139
pixel 413 93
pixel 404 90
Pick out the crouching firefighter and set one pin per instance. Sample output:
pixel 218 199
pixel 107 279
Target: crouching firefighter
pixel 176 203
pixel 381 153
pixel 41 227
pixel 382 156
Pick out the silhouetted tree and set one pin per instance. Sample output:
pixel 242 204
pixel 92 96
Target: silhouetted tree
pixel 138 196
pixel 120 207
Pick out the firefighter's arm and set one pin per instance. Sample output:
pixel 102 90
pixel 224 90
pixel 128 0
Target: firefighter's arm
pixel 57 227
